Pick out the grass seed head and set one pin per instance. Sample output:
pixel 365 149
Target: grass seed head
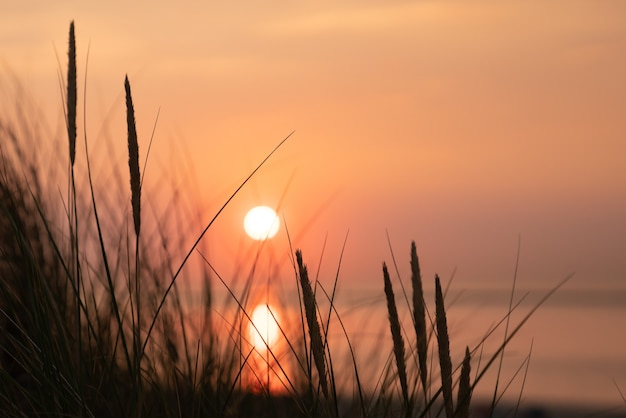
pixel 443 341
pixel 71 95
pixel 419 316
pixel 133 159
pixel 396 335
pixel 317 348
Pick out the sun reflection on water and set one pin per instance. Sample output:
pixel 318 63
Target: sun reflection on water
pixel 267 364
pixel 264 329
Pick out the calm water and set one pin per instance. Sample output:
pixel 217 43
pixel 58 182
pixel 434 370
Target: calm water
pixel 578 340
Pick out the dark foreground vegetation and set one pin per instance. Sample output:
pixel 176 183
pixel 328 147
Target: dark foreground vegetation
pixel 92 322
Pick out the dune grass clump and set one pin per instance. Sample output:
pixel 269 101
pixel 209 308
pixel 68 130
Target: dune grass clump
pixel 87 332
pixel 443 348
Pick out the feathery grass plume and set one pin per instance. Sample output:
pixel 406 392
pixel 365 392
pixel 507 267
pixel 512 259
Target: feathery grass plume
pixel 317 348
pixel 133 158
pixel 71 136
pixel 396 335
pixel 443 341
pixel 419 315
pixel 71 94
pixel 465 389
pixel 135 189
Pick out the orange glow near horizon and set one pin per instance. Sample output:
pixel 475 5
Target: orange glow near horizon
pixel 264 331
pixel 264 373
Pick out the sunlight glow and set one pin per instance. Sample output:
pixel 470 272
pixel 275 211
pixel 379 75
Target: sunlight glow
pixel 261 223
pixel 265 329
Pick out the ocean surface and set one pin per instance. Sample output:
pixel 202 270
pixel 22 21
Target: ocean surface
pixel 569 357
pixel 575 341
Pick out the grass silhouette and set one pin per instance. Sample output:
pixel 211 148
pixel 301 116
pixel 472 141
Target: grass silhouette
pixel 95 326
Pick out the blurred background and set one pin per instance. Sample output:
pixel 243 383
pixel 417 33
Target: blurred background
pixel 476 129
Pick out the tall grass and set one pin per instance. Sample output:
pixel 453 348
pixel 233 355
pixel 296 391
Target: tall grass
pixel 398 341
pixel 88 332
pixel 419 317
pixel 135 192
pixel 72 93
pixel 315 335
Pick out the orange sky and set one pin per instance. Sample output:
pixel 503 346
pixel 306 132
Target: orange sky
pixel 460 125
pixel 457 125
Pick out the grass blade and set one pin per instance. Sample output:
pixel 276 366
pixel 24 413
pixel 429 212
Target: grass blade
pixel 202 234
pixel 506 328
pixel 519 326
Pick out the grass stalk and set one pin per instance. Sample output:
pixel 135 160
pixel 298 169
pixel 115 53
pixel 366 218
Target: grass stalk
pixel 110 286
pixel 398 341
pixel 527 366
pixel 443 342
pixel 465 390
pixel 419 317
pixel 506 327
pixel 71 95
pixel 135 188
pixel 71 115
pixel 515 330
pixel 133 159
pixel 202 234
pixel 352 355
pixel 315 336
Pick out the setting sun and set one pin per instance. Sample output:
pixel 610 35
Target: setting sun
pixel 261 222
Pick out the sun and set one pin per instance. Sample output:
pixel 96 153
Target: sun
pixel 261 223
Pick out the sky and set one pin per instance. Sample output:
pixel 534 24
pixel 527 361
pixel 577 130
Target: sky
pixel 465 126
pixel 462 126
